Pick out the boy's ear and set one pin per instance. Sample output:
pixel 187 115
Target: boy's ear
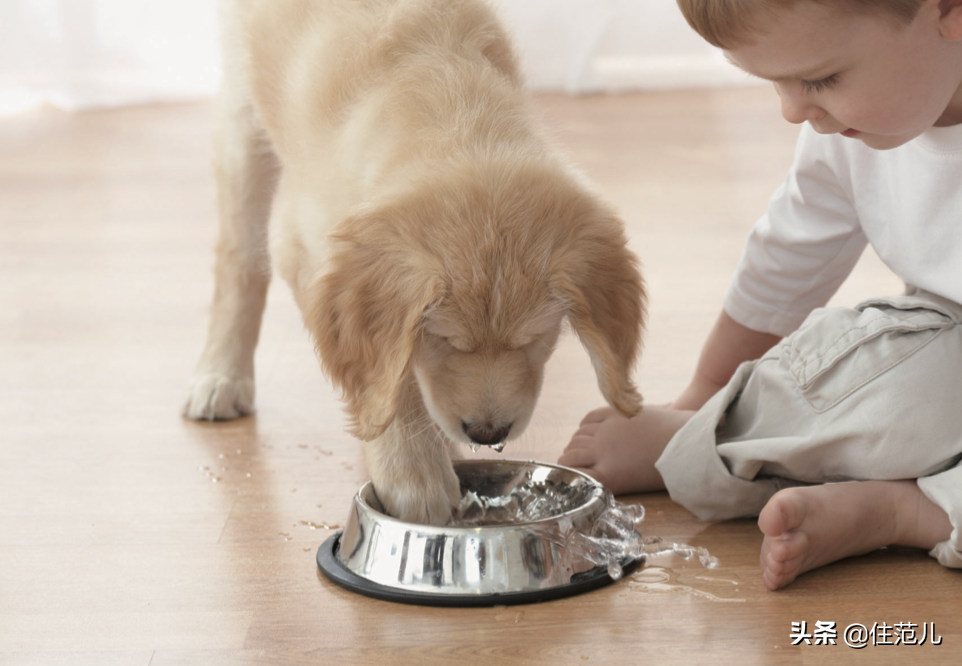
pixel 950 21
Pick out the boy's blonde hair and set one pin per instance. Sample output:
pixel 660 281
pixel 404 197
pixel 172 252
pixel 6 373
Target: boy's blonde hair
pixel 730 23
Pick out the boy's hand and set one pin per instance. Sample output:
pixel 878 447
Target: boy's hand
pixel 728 345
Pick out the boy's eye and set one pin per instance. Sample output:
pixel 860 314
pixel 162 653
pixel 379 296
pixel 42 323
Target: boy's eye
pixel 812 87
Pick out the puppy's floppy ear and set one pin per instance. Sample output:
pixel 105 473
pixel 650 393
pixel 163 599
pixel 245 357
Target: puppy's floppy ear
pixel 599 281
pixel 365 313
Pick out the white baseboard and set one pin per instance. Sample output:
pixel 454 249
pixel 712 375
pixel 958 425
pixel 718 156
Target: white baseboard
pixel 622 74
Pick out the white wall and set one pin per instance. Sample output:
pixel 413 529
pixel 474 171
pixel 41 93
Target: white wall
pixel 613 45
pixel 76 54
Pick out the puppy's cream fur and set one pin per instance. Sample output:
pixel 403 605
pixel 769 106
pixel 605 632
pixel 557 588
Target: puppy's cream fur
pixel 433 240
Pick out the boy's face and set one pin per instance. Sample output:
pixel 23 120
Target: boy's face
pixel 871 78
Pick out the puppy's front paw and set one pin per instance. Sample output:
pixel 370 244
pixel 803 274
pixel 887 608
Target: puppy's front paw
pixel 429 502
pixel 215 397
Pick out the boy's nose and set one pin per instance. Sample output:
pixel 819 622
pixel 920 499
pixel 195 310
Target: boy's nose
pixel 796 109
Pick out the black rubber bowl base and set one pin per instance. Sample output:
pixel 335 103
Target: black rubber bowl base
pixel 331 566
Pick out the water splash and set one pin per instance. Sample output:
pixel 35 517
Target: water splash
pixel 612 542
pixel 613 539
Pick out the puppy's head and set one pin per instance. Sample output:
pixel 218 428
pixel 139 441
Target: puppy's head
pixel 466 284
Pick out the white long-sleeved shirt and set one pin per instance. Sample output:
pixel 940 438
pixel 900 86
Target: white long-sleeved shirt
pixel 840 195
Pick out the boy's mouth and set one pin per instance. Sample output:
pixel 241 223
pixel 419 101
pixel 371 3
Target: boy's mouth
pixel 850 133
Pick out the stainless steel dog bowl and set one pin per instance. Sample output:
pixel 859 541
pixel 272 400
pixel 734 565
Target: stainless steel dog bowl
pixel 515 539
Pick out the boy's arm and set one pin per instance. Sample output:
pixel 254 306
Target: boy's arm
pixel 795 258
pixel 727 346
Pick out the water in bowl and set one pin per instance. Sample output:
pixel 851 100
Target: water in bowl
pixel 525 503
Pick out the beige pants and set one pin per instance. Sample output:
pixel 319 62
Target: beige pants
pixel 869 393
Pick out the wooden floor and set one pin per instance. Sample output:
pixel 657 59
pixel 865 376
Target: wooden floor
pixel 130 536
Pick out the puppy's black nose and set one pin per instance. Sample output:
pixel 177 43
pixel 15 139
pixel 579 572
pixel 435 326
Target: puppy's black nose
pixel 486 433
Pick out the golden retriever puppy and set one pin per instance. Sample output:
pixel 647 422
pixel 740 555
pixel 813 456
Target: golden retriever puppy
pixel 433 240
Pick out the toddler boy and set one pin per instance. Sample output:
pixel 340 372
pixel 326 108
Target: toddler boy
pixel 840 428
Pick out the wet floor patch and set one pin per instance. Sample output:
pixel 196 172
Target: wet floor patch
pixel 664 580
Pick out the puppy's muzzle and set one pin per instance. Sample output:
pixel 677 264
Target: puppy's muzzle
pixel 486 433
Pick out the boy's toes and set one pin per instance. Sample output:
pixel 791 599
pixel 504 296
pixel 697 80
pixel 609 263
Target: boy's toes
pixel 777 575
pixel 781 559
pixel 578 457
pixel 781 514
pixel 775 580
pixel 785 549
pixel 583 438
pixel 598 415
pixel 788 548
pixel 586 431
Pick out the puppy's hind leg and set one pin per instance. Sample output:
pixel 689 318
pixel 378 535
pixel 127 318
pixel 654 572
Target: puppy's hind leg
pixel 246 171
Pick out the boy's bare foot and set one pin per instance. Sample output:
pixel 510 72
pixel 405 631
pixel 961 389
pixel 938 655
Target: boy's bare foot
pixel 621 452
pixel 810 526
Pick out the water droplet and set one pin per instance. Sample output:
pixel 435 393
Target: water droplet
pixel 709 579
pixel 614 569
pixel 319 526
pixel 499 447
pixel 474 447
